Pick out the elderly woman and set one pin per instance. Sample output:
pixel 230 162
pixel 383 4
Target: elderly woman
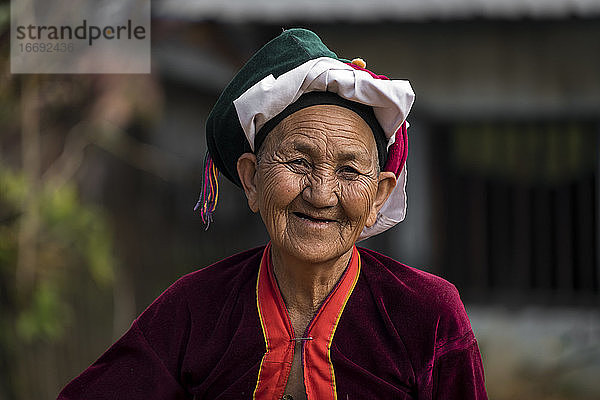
pixel 318 145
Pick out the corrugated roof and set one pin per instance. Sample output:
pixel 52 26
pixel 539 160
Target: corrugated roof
pixel 370 10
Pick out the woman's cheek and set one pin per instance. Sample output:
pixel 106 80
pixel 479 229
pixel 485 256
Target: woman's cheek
pixel 279 188
pixel 270 182
pixel 357 198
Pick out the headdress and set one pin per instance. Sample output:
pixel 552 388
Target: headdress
pixel 280 79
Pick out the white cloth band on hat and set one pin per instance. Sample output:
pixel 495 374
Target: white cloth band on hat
pixel 391 101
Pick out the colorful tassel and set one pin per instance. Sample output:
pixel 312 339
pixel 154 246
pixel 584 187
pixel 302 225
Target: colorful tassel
pixel 210 191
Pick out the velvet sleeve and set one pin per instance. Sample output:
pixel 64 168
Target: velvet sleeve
pixel 434 351
pixel 458 372
pixel 457 368
pixel 144 363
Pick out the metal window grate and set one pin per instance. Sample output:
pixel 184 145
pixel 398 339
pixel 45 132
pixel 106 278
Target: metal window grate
pixel 517 219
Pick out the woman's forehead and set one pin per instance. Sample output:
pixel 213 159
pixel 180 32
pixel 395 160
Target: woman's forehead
pixel 323 125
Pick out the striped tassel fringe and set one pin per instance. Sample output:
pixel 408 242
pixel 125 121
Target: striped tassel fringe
pixel 210 191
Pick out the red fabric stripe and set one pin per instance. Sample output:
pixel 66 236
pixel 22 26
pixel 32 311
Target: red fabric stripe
pixel 319 378
pixel 277 330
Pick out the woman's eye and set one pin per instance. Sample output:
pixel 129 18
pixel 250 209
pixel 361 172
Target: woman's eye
pixel 299 163
pixel 349 172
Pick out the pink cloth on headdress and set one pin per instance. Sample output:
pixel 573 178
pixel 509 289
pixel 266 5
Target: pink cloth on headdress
pixel 398 151
pixel 374 75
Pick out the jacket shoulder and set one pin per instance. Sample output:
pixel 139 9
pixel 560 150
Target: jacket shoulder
pixel 424 299
pixel 224 273
pixel 202 295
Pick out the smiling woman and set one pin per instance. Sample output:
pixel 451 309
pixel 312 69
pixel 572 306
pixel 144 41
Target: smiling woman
pixel 316 187
pixel 319 152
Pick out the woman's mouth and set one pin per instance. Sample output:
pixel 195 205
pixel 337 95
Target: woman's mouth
pixel 315 219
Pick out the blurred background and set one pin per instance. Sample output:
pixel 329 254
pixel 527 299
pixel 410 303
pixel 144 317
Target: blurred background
pixel 99 175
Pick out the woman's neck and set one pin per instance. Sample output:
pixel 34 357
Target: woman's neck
pixel 304 286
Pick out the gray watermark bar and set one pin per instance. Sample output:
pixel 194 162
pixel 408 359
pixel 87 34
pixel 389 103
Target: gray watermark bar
pixel 91 36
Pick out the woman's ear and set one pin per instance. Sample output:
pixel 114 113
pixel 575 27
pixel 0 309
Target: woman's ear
pixel 247 167
pixel 385 186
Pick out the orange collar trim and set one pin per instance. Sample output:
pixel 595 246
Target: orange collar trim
pixel 319 377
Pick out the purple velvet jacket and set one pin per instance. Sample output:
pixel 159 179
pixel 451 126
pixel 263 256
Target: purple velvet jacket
pixel 404 334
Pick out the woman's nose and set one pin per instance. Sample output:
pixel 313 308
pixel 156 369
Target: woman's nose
pixel 321 192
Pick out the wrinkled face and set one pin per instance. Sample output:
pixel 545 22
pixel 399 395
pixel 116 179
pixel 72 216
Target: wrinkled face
pixel 317 182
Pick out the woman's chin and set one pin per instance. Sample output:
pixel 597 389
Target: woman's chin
pixel 313 250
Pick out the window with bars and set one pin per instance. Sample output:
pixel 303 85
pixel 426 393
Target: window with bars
pixel 517 210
